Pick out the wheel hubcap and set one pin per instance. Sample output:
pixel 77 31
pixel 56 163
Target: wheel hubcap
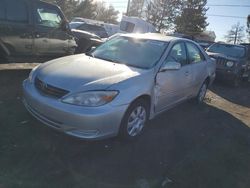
pixel 136 121
pixel 202 92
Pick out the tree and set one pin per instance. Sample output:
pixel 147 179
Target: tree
pixel 192 19
pixel 136 8
pixel 85 9
pixel 68 6
pixel 106 14
pixel 235 34
pixel 162 13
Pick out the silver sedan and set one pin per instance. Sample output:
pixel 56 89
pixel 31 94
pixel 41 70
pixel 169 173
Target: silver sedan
pixel 117 87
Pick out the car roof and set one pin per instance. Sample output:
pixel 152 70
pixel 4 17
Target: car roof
pixel 154 36
pixel 223 43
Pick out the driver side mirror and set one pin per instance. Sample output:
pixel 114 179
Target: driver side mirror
pixel 173 65
pixel 65 25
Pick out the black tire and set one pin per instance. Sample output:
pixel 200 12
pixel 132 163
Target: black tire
pixel 125 131
pixel 202 93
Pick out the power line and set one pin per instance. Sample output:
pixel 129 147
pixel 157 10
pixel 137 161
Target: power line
pixel 225 16
pixel 214 5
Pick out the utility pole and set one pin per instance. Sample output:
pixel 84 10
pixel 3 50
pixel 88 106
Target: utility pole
pixel 128 7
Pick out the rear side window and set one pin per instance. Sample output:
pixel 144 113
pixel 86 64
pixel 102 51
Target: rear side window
pixel 194 53
pixel 2 10
pixel 16 11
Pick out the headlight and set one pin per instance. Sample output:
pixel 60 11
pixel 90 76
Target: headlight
pixel 230 63
pixel 91 98
pixel 31 75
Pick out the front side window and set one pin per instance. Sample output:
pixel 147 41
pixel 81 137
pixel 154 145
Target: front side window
pixel 48 17
pixel 16 11
pixel 178 54
pixel 194 54
pixel 135 52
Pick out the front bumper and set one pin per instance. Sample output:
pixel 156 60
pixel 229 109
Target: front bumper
pixel 227 75
pixel 82 122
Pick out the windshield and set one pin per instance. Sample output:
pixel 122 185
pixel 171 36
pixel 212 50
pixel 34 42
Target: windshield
pixel 228 50
pixel 141 53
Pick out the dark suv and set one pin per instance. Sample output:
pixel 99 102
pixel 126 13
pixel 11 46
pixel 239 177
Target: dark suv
pixel 32 29
pixel 91 28
pixel 233 63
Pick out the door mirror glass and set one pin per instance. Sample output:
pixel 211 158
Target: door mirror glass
pixel 173 65
pixel 65 25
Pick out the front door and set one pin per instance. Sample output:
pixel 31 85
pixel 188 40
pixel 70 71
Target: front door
pixel 172 85
pixel 50 38
pixel 198 68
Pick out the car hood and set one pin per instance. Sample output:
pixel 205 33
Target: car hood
pixel 82 73
pixel 79 33
pixel 217 55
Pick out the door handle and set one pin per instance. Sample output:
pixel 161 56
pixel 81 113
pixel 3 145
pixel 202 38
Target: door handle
pixel 186 73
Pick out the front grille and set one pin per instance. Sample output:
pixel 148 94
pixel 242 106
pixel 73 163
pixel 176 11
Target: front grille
pixel 49 90
pixel 221 61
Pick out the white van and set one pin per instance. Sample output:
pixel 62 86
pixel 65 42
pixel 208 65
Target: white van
pixel 135 25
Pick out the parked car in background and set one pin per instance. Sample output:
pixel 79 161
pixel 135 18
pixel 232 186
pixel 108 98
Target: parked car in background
pixel 135 25
pixel 91 28
pixel 32 29
pixel 204 44
pixel 116 88
pixel 233 63
pixel 110 29
pixel 85 40
pixel 74 25
pixel 77 19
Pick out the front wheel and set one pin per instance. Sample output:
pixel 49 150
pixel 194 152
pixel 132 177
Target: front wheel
pixel 202 92
pixel 134 120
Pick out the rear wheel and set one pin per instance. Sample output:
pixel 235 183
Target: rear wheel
pixel 202 92
pixel 134 120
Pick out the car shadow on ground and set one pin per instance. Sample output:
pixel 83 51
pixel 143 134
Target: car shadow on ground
pixel 238 95
pixel 187 146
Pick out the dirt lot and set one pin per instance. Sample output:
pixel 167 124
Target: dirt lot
pixel 206 146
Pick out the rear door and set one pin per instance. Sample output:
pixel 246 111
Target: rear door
pixel 172 86
pixel 198 67
pixel 50 38
pixel 16 27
